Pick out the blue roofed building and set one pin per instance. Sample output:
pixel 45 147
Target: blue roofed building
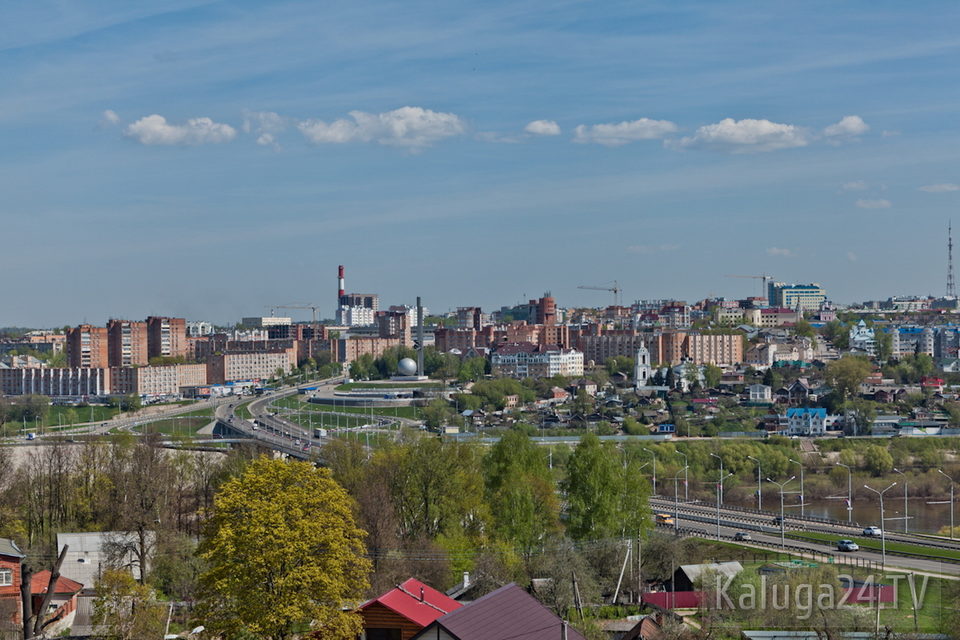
pixel 807 421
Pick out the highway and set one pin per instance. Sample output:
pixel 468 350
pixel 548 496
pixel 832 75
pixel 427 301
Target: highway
pixel 702 517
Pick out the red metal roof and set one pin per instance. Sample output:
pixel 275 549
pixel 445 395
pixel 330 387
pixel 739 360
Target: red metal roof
pixel 39 580
pixel 416 602
pixel 509 612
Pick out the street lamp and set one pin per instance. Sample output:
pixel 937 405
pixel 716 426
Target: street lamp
pixel 906 504
pixel 883 525
pixel 802 500
pixel 849 491
pixel 940 471
pixel 781 485
pixel 654 469
pixel 686 483
pixel 720 497
pixel 759 488
pixel 676 501
pixel 719 491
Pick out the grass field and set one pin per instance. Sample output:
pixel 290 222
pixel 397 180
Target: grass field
pixel 181 426
pixel 427 384
pixel 294 402
pixel 873 544
pixel 243 412
pixel 325 420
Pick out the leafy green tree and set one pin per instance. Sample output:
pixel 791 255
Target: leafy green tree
pixel 472 369
pixel 127 610
pixel 437 414
pixel 877 460
pixel 284 554
pixel 520 491
pixel 593 489
pixel 884 344
pixel 712 374
pixel 846 374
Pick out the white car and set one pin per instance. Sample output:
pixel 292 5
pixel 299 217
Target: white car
pixel 872 532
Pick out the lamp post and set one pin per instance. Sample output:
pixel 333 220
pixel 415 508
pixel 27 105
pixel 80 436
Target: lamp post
pixel 883 526
pixel 720 497
pixel 802 499
pixel 759 487
pixel 906 504
pixel 781 486
pixel 654 469
pixel 849 491
pixel 676 501
pixel 686 483
pixel 719 492
pixel 940 471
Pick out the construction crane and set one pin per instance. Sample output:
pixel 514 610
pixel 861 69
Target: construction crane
pixel 615 289
pixel 312 308
pixel 763 277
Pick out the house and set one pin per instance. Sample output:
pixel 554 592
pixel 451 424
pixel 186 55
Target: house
pixel 399 614
pixel 507 613
pixel 11 564
pixel 650 627
pixel 63 603
pixel 799 391
pixel 807 421
pixel 760 393
pixel 687 577
pixel 92 553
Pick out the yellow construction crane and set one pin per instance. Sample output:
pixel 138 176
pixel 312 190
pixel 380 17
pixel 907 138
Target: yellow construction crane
pixel 615 289
pixel 763 277
pixel 312 308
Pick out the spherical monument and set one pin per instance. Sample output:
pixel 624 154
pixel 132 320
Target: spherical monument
pixel 407 367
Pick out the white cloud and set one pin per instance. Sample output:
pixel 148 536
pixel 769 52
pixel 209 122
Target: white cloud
pixel 405 127
pixel 616 134
pixel 856 185
pixel 943 187
pixel 878 203
pixel 155 129
pixel 110 118
pixel 747 136
pixel 543 128
pixel 265 125
pixel 777 251
pixel 646 249
pixel 849 127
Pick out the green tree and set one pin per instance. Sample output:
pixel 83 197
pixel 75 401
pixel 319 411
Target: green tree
pixel 127 610
pixel 877 460
pixel 846 374
pixel 884 344
pixel 712 374
pixel 284 554
pixel 520 491
pixel 437 414
pixel 593 489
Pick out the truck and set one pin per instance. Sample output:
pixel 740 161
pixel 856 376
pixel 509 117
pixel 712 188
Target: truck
pixel 319 433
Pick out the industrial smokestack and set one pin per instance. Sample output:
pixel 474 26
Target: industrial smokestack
pixel 341 291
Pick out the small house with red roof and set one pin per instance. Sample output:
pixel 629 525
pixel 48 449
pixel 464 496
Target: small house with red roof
pixel 402 612
pixel 11 565
pixel 63 603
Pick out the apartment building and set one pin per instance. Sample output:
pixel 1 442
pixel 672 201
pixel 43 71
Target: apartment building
pixel 157 381
pixel 528 360
pixel 166 337
pixel 87 347
pixel 346 350
pixel 127 343
pixel 805 297
pixel 714 348
pixel 232 366
pixel 611 344
pixel 56 383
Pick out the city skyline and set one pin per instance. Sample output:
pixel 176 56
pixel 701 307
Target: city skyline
pixel 213 159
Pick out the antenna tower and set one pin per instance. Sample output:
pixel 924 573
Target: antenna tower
pixel 951 285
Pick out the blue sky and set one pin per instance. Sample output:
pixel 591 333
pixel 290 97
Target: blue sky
pixel 210 159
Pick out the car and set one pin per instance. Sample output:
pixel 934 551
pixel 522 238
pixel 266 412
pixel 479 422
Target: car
pixel 872 532
pixel 777 520
pixel 742 535
pixel 847 545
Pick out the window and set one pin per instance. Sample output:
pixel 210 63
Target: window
pixel 6 577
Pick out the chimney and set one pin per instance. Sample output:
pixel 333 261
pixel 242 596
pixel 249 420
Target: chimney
pixel 563 630
pixel 421 594
pixel 341 291
pixel 466 579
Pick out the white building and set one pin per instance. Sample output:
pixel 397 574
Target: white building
pixel 760 393
pixel 862 338
pixel 807 421
pixel 642 371
pixel 527 360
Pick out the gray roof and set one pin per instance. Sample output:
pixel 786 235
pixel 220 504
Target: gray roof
pixel 9 548
pixel 726 569
pixel 785 634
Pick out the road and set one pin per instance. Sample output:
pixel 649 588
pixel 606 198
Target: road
pixel 761 527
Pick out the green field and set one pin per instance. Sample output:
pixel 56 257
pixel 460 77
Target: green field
pixel 242 411
pixel 325 420
pixel 874 544
pixel 183 426
pixel 294 402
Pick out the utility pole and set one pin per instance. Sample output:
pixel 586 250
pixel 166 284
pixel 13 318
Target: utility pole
pixel 803 500
pixel 720 496
pixel 883 529
pixel 719 492
pixel 686 484
pixel 781 485
pixel 906 504
pixel 654 469
pixel 940 471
